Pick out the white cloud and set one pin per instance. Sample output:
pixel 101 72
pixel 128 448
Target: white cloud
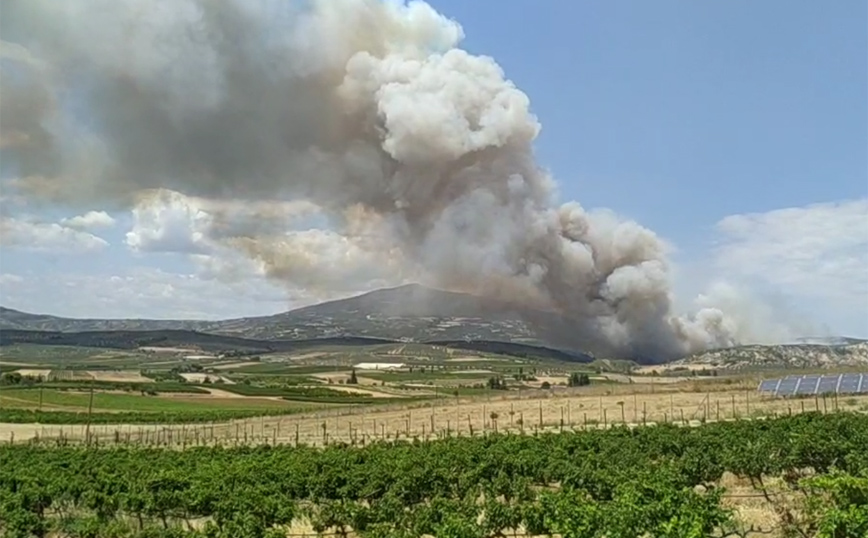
pixel 816 253
pixel 168 221
pixel 44 236
pixel 235 240
pixel 147 293
pixel 7 279
pixel 90 221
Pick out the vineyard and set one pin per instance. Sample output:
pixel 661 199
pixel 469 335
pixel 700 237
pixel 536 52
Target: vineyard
pixel 811 469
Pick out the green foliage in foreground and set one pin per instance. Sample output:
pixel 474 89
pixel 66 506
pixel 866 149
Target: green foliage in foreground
pixel 619 483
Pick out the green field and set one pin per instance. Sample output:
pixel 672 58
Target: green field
pixel 112 402
pixel 52 355
pixel 80 358
pixel 282 368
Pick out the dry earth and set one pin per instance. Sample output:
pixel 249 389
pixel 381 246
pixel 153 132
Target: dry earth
pixel 157 349
pixel 34 372
pixel 119 376
pixel 576 408
pixel 230 365
pixel 195 377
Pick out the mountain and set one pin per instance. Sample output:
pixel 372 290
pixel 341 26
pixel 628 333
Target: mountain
pixel 845 352
pixel 414 313
pixel 405 313
pixel 11 319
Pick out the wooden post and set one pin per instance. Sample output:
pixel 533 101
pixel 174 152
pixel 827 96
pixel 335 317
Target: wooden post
pixel 732 396
pixel 89 412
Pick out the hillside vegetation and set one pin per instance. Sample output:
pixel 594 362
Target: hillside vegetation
pixel 409 313
pixel 851 354
pixel 232 345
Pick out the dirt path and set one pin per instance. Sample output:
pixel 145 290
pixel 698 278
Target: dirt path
pixel 311 355
pixel 229 366
pixel 212 393
pixel 356 390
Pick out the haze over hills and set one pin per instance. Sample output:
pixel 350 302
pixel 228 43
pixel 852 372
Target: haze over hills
pixel 420 314
pixel 411 313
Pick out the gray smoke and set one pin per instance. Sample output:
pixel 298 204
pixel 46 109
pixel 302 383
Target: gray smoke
pixel 366 109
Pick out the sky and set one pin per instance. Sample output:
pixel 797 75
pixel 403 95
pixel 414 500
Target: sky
pixel 736 130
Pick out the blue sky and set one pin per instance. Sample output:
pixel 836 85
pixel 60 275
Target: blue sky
pixel 736 130
pixel 678 113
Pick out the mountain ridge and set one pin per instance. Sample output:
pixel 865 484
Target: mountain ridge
pixel 415 313
pixel 410 312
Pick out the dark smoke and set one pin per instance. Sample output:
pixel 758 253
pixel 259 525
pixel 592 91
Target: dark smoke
pixel 414 149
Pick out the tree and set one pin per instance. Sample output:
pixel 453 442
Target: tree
pixel 578 380
pixel 353 380
pixel 496 383
pixel 11 378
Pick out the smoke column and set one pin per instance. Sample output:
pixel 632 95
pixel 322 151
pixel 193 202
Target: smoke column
pixel 367 110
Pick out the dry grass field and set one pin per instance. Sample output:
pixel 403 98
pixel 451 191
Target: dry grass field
pixel 587 407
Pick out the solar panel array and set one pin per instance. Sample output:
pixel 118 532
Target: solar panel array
pixel 803 385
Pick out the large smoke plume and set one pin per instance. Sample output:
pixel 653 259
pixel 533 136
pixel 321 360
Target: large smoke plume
pixel 369 111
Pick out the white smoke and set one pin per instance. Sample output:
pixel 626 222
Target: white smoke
pixel 413 148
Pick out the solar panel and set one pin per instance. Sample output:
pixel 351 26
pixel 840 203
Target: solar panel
pixel 793 385
pixel 787 386
pixel 849 383
pixel 828 383
pixel 808 385
pixel 768 385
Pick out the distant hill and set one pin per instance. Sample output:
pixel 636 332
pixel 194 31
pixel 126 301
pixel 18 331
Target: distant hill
pixel 414 313
pixel 849 352
pixel 16 320
pixel 406 313
pixel 222 344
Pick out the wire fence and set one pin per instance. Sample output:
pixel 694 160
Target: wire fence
pixel 361 426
